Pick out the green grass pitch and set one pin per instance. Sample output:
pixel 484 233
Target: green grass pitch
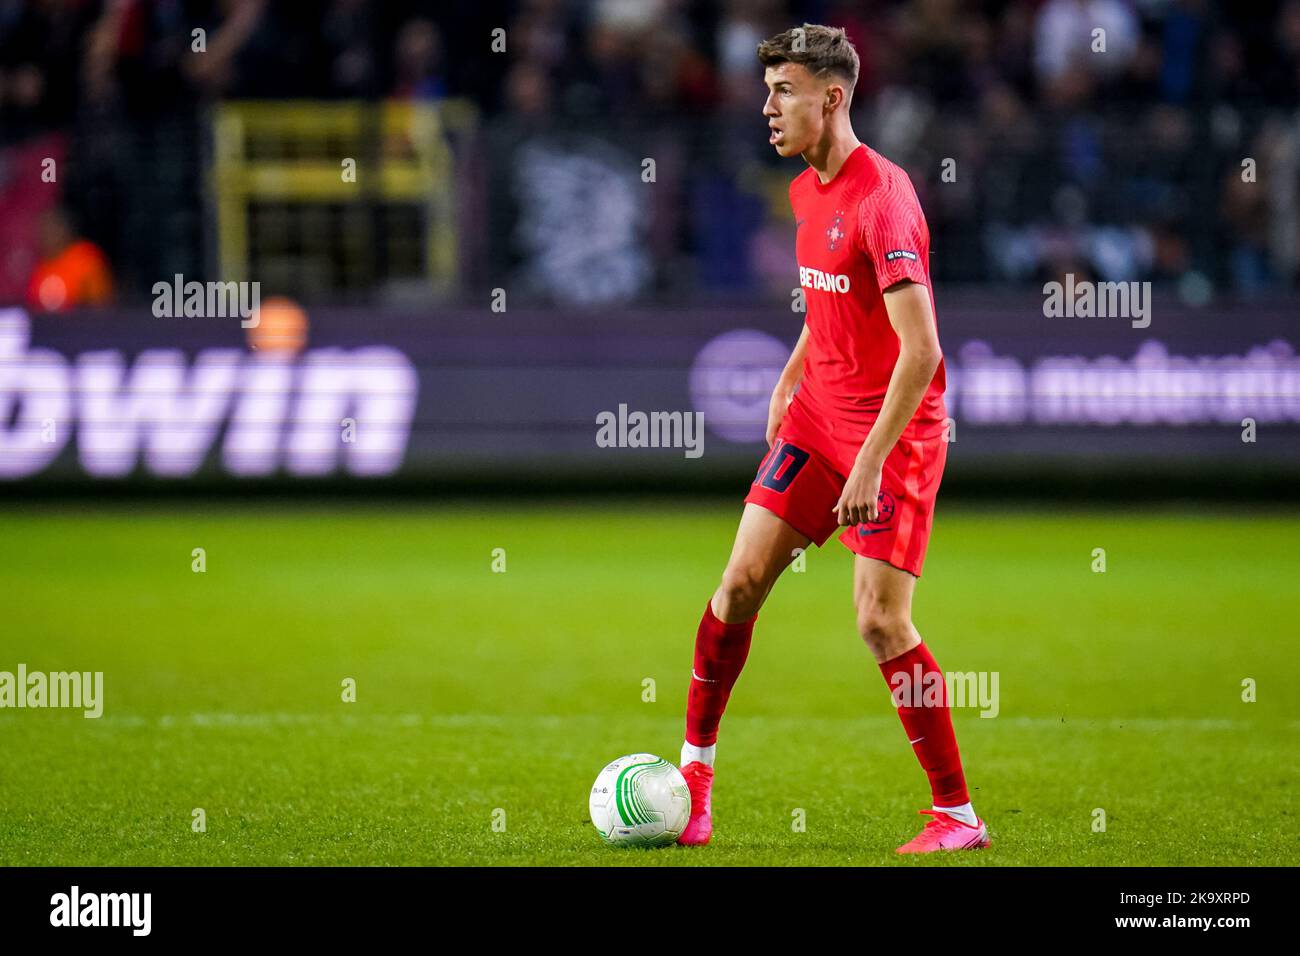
pixel 485 696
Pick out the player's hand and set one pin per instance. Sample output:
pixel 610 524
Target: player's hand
pixel 782 396
pixel 859 500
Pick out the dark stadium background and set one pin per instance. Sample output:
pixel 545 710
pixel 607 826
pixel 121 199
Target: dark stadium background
pixel 524 171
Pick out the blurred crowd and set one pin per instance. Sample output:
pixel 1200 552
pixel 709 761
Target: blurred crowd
pixel 1122 139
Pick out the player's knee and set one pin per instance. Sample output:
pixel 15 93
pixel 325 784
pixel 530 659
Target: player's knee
pixel 881 626
pixel 741 592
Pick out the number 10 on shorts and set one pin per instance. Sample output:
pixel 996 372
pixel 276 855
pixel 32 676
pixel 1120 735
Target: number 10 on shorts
pixel 780 466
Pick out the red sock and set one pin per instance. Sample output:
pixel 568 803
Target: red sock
pixel 720 652
pixel 929 728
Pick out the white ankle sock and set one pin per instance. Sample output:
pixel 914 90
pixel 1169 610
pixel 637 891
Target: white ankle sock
pixel 965 813
pixel 703 754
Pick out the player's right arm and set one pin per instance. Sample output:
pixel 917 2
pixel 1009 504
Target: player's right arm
pixel 791 375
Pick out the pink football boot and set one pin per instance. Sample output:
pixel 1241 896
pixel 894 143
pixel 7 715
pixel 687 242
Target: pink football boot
pixel 945 833
pixel 699 779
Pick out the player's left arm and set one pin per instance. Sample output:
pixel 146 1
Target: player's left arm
pixel 908 306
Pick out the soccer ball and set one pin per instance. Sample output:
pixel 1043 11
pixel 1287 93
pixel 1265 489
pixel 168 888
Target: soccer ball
pixel 640 800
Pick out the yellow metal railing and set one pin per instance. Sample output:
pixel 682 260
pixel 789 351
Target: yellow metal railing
pixel 294 152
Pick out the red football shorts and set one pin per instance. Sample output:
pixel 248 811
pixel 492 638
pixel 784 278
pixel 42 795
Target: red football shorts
pixel 802 475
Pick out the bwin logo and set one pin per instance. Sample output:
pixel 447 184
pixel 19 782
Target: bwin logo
pixel 103 909
pixel 170 411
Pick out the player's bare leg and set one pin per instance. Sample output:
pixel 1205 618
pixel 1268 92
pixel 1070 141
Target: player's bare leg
pixel 765 545
pixel 882 595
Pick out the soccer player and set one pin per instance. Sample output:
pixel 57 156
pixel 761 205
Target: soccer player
pixel 856 430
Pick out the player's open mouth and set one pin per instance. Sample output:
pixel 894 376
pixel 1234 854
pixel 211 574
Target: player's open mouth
pixel 776 135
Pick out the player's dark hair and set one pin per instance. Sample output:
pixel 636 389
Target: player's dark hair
pixel 820 49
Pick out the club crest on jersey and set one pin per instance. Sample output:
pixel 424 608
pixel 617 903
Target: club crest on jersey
pixel 836 232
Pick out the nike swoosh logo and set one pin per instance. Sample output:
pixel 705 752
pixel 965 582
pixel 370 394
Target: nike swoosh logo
pixel 866 531
pixel 698 677
pixel 917 740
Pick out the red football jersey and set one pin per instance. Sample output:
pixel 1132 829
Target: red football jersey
pixel 856 235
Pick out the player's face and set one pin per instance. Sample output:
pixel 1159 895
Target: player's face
pixel 794 108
